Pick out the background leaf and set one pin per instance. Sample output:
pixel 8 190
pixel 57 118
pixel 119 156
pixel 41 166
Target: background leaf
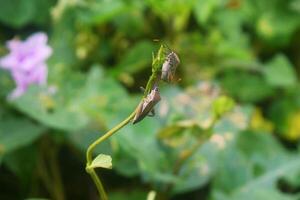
pixel 279 72
pixel 15 133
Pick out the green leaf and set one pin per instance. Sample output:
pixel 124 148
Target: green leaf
pixel 293 179
pixel 103 161
pixel 253 189
pixel 15 133
pixel 204 9
pixel 136 59
pixel 244 86
pixel 99 98
pixel 195 173
pixel 252 165
pixel 222 105
pixel 132 19
pixel 98 12
pixel 43 107
pixel 279 72
pixel 139 142
pixel 18 13
pixel 62 40
pixel 124 162
pixel 22 162
pixel 275 21
pixel 177 11
pixel 277 27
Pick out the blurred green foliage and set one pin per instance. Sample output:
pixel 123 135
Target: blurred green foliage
pixel 242 50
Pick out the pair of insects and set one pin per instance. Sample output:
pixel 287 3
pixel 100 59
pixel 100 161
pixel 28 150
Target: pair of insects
pixel 146 106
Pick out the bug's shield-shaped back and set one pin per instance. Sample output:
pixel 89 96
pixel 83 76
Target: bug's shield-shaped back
pixel 147 105
pixel 169 67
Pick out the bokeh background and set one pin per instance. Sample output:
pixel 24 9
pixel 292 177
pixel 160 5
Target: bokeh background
pixel 248 50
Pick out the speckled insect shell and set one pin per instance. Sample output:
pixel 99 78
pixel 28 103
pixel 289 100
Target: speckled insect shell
pixel 169 67
pixel 146 105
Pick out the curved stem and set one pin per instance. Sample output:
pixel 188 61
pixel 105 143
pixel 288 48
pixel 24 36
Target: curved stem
pixel 91 148
pixel 156 68
pixel 106 136
pixel 97 181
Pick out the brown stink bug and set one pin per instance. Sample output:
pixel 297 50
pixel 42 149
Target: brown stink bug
pixel 147 104
pixel 169 67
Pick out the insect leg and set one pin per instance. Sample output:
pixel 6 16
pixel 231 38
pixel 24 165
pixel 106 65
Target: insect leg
pixel 151 113
pixel 142 89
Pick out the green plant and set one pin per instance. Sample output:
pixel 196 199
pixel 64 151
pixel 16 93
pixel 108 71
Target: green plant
pixel 99 160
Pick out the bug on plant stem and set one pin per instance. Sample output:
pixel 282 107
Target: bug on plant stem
pixel 146 106
pixel 169 67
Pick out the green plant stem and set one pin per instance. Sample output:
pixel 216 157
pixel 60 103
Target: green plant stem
pixel 156 69
pixel 154 79
pixel 99 185
pixel 58 186
pixel 106 136
pixel 44 175
pixel 91 148
pixel 48 168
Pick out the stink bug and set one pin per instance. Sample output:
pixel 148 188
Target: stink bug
pixel 147 104
pixel 169 67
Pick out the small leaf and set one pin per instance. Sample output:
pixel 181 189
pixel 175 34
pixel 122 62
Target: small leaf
pixel 151 195
pixel 103 161
pixel 279 72
pixel 222 105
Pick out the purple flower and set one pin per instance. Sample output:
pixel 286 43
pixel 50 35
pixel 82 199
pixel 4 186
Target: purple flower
pixel 27 62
